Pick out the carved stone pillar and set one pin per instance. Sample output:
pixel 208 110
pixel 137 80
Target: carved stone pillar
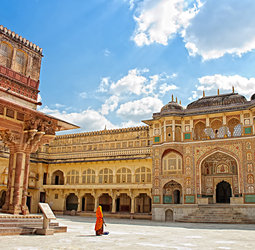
pixel 9 182
pixel 25 185
pixel 132 204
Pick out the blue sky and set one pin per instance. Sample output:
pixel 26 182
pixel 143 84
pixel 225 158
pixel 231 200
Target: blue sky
pixel 114 62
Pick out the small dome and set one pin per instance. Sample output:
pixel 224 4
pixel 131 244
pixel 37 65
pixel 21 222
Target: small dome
pixel 253 97
pixel 171 106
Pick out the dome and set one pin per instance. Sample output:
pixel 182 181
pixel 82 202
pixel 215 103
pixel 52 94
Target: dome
pixel 253 97
pixel 170 107
pixel 217 100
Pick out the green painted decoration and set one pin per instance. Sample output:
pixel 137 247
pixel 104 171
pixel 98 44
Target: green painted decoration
pixel 167 199
pixel 190 199
pixel 156 199
pixel 156 139
pixel 187 136
pixel 249 198
pixel 247 130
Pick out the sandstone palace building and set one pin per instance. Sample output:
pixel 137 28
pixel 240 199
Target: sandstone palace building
pixel 182 161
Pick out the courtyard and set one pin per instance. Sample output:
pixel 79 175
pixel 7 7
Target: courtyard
pixel 137 234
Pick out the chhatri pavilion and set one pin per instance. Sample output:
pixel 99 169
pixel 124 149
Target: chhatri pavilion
pixel 183 161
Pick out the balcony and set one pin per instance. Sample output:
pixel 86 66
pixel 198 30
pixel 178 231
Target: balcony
pixel 22 85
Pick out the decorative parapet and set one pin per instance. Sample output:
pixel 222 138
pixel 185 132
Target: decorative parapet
pixel 20 39
pixel 104 132
pixel 129 153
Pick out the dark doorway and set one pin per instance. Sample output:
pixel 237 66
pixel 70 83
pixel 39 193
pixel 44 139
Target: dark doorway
pixel 56 180
pixel 29 203
pixel 2 198
pixel 42 197
pixel 72 202
pixel 177 197
pixel 223 192
pixel 83 204
pixel 44 178
pixel 118 204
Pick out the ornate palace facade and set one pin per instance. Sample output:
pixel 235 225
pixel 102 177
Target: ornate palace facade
pixel 183 158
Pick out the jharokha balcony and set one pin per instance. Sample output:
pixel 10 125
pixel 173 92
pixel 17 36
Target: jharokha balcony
pixel 17 84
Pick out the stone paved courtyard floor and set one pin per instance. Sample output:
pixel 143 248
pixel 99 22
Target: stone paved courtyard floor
pixel 137 234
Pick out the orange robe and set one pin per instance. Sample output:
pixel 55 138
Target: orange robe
pixel 99 228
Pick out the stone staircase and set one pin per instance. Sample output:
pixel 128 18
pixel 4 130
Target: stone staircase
pixel 21 225
pixel 217 214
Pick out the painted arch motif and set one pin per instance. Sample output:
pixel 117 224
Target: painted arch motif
pixel 216 168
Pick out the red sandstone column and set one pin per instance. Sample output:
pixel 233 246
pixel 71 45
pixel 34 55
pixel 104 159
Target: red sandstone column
pixel 25 185
pixel 19 171
pixel 9 181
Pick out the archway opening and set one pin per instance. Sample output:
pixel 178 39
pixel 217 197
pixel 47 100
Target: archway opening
pixel 169 215
pixel 87 203
pixel 172 193
pixel 105 200
pixel 216 168
pixel 123 203
pixel 57 178
pixel 142 204
pixel 71 202
pixel 223 192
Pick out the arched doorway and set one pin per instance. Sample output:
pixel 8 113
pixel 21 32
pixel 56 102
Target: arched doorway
pixel 169 215
pixel 223 192
pixel 219 167
pixel 123 203
pixel 142 204
pixel 87 203
pixel 172 192
pixel 105 200
pixel 57 178
pixel 71 202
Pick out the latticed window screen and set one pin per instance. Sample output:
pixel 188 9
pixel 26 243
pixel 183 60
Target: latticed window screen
pixel 124 175
pixel 172 162
pixel 72 177
pixel 88 176
pixel 209 132
pixel 106 176
pixel 237 130
pixel 142 174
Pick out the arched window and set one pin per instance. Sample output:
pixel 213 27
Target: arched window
pixel 106 176
pixel 232 123
pixel 172 162
pixel 72 177
pixel 124 175
pixel 143 175
pixel 88 176
pixel 21 60
pixel 199 131
pixel 5 54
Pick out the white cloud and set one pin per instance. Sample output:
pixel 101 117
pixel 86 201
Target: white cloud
pixel 210 29
pixel 244 86
pixel 107 52
pixel 166 88
pixel 88 120
pixel 39 98
pixel 104 85
pixel 131 83
pixel 110 105
pixel 222 27
pixel 140 109
pixel 83 95
pixel 159 20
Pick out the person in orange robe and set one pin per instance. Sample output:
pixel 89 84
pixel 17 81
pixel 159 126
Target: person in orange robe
pixel 99 227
